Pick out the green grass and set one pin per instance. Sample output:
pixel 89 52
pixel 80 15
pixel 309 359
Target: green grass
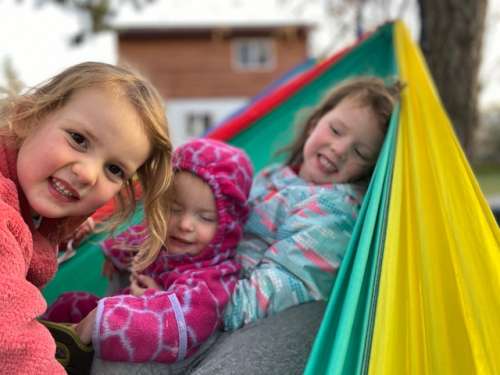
pixel 488 177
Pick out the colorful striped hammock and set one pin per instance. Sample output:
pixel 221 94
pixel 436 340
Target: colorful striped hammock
pixel 418 291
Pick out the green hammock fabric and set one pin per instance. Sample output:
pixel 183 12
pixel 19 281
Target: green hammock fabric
pixel 83 271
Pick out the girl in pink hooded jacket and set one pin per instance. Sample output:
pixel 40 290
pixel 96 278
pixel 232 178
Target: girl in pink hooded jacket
pixel 177 303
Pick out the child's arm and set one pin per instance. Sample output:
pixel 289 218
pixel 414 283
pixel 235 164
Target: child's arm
pixel 268 290
pixel 118 250
pixel 25 345
pixel 164 326
pixel 300 266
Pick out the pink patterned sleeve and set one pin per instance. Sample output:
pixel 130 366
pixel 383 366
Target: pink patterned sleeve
pixel 164 326
pixel 118 249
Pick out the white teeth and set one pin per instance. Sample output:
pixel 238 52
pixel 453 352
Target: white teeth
pixel 61 189
pixel 327 164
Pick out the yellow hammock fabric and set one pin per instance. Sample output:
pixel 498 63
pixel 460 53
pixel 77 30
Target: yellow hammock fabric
pixel 438 307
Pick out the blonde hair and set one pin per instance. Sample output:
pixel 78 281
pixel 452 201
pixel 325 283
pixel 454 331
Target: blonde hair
pixel 367 90
pixel 20 114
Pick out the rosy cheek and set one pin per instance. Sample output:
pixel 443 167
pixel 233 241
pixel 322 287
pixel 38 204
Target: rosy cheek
pixel 105 193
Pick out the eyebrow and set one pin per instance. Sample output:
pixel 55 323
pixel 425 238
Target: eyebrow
pixel 90 135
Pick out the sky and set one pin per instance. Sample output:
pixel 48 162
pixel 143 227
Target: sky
pixel 36 39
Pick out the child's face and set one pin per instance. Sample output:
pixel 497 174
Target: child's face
pixel 193 219
pixel 344 145
pixel 80 155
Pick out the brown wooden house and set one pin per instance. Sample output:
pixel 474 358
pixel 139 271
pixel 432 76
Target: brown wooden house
pixel 206 72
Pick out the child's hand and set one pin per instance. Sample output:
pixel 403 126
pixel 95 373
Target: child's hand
pixel 140 283
pixel 85 327
pixel 108 269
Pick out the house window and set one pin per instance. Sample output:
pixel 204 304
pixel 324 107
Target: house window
pixel 253 54
pixel 198 123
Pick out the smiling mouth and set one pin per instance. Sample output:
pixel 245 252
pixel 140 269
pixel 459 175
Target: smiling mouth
pixel 180 241
pixel 326 164
pixel 63 189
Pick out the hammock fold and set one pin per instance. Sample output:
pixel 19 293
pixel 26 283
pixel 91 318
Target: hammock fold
pixel 418 288
pixel 435 308
pixel 438 304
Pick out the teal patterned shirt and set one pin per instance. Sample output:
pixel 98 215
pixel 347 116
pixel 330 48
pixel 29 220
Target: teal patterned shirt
pixel 293 243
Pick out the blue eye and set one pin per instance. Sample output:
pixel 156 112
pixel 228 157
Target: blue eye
pixel 78 139
pixel 116 171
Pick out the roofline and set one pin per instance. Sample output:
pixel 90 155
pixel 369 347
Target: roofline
pixel 197 28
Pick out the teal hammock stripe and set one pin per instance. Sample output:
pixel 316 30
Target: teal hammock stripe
pixel 342 345
pixel 343 338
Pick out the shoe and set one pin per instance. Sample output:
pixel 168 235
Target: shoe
pixel 75 356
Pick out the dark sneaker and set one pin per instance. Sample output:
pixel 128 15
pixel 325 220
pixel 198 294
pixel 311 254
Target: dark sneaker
pixel 75 356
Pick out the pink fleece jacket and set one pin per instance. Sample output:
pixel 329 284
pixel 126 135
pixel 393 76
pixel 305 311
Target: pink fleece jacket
pixel 27 262
pixel 170 325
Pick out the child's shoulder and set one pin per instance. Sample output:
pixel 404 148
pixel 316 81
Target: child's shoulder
pixel 348 188
pixel 280 173
pixel 8 188
pixel 272 169
pixel 286 185
pixel 8 157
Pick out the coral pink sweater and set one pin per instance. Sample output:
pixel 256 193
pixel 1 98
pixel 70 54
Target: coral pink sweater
pixel 27 262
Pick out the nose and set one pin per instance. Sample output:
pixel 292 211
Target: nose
pixel 341 149
pixel 86 172
pixel 185 223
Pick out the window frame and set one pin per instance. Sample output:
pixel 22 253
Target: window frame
pixel 265 44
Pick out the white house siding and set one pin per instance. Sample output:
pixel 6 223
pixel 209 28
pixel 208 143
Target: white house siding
pixel 178 111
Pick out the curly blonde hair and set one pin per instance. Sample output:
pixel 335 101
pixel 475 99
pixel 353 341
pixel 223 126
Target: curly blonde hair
pixel 20 114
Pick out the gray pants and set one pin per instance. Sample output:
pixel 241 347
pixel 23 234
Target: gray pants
pixel 277 345
pixel 101 367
